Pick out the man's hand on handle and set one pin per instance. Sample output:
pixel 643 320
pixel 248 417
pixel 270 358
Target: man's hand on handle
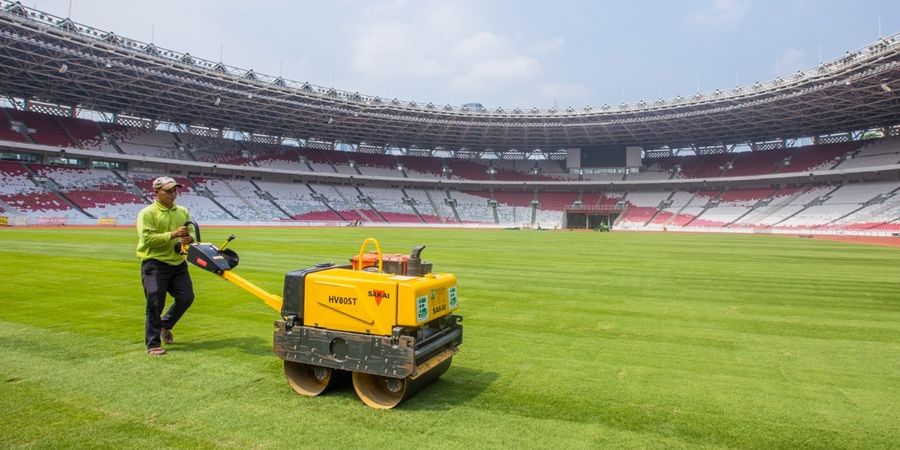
pixel 181 233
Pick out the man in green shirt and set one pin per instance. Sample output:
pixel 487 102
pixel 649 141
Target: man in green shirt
pixel 160 227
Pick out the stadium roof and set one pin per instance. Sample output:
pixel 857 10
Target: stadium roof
pixel 47 58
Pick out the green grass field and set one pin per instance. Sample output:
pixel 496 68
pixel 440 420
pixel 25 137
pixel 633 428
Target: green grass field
pixel 572 340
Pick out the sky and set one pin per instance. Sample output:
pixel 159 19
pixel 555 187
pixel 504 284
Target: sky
pixel 503 53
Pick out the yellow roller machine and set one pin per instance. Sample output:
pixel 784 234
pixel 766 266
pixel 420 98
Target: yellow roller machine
pixel 388 319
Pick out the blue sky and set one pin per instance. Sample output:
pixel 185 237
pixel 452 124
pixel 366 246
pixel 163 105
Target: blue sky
pixel 503 52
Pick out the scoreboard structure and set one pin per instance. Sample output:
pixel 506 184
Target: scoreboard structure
pixel 595 161
pixel 603 159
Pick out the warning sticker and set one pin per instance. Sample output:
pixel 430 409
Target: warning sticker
pixel 452 294
pixel 421 308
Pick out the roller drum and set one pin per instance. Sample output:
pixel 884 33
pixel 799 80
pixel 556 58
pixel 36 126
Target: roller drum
pixel 385 392
pixel 307 379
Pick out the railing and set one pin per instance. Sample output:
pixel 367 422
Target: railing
pixel 597 209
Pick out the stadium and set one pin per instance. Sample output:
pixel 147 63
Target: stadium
pixel 741 325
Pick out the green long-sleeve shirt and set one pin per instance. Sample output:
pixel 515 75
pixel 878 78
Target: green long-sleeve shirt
pixel 155 225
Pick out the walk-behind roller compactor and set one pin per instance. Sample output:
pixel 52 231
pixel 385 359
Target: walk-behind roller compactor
pixel 387 319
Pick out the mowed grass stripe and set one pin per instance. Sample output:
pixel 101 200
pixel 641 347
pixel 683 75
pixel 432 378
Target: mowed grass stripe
pixel 571 340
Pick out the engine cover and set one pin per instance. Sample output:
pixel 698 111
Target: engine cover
pixel 374 303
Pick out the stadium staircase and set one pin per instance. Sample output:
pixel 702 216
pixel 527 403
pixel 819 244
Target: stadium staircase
pixel 15 135
pixel 711 166
pixel 451 202
pixel 854 211
pixel 660 207
pixel 67 133
pixel 370 203
pixel 784 162
pixel 203 191
pixel 434 206
pixel 128 185
pixel 712 203
pixel 771 199
pixel 726 167
pixel 759 204
pixel 62 196
pixel 111 140
pixel 620 215
pixel 29 138
pixel 879 199
pixel 189 152
pixel 32 174
pixel 324 201
pixel 677 213
pixel 266 195
pixel 814 202
pixel 331 164
pixel 416 211
pixel 411 202
pixel 243 199
pixel 892 222
pixel 6 207
pixel 820 157
pixel 494 204
pixel 51 186
pixel 184 148
pixel 187 149
pixel 353 205
pixel 846 157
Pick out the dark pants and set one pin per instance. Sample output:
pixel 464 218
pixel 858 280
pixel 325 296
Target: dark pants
pixel 159 279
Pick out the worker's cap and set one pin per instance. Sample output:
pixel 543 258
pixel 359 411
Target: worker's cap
pixel 165 183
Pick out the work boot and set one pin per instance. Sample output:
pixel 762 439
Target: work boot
pixel 166 335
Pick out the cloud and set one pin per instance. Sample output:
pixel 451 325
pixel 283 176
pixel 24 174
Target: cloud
pixel 483 44
pixel 486 75
pixel 448 43
pixel 393 39
pixel 790 61
pixel 720 12
pixel 387 49
pixel 549 45
pixel 488 62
